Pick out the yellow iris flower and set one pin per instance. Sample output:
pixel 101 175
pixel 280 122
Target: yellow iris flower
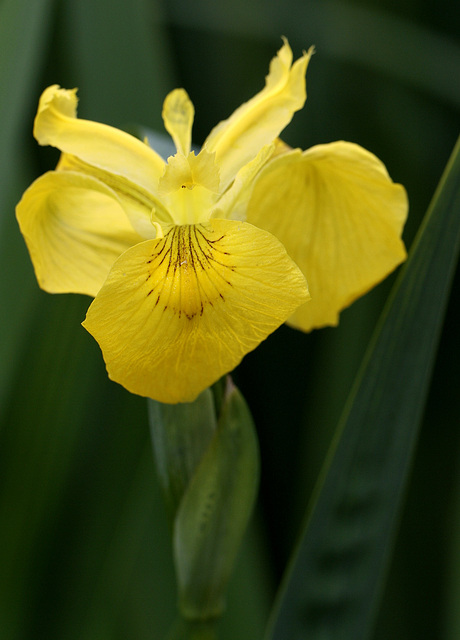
pixel 194 261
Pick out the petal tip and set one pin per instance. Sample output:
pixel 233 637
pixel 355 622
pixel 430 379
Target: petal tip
pixel 178 114
pixel 54 103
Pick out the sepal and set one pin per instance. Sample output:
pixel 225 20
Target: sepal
pixel 215 510
pixel 180 433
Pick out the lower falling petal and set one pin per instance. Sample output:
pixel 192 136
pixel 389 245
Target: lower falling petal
pixel 177 313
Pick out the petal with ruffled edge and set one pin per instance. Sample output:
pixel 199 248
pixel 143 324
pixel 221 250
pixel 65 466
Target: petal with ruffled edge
pixel 97 144
pixel 177 313
pixel 187 172
pixel 237 140
pixel 74 229
pixel 189 187
pixel 340 217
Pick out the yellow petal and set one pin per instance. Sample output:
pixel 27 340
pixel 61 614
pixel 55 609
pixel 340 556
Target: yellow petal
pixel 233 203
pixel 340 217
pixel 178 113
pixel 187 172
pixel 115 151
pixel 189 187
pixel 258 122
pixel 144 210
pixel 176 314
pixel 75 229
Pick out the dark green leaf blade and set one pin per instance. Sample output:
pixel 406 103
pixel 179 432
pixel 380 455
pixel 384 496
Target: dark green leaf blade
pixel 333 586
pixel 24 28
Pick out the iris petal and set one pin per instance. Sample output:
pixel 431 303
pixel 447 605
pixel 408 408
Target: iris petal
pixel 340 217
pixel 97 144
pixel 142 207
pixel 177 313
pixel 75 229
pixel 178 113
pixel 237 140
pixel 233 203
pixel 186 172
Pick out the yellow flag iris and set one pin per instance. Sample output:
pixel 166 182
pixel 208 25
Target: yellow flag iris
pixel 193 261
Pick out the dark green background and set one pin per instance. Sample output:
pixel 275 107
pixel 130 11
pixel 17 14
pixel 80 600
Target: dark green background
pixel 84 543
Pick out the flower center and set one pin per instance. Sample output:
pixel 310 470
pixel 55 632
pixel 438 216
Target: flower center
pixel 189 271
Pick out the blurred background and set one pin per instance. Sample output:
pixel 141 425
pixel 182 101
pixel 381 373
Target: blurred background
pixel 84 540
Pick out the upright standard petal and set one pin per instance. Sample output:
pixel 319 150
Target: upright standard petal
pixel 239 139
pixel 74 229
pixel 177 313
pixel 178 113
pixel 56 124
pixel 340 217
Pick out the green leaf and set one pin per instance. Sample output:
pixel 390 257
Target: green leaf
pixel 333 587
pixel 23 45
pixel 23 30
pixel 84 543
pixel 215 510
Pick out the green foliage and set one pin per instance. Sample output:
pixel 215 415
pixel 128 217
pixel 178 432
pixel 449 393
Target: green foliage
pixel 84 543
pixel 335 581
